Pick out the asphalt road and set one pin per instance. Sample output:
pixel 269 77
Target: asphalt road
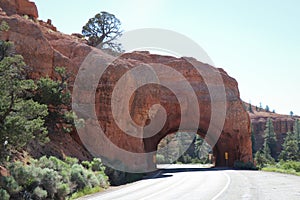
pixel 190 182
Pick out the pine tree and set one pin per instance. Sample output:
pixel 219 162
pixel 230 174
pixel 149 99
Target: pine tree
pixel 260 159
pixel 103 30
pixel 263 158
pixel 290 148
pixel 267 154
pixel 270 140
pixel 21 118
pixel 260 106
pixel 250 108
pixel 297 131
pixel 54 92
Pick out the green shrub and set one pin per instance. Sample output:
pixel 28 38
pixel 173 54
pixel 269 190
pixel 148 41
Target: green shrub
pixel 4 194
pixel 79 177
pixel 262 160
pixel 103 179
pixel 23 175
pixel 92 179
pixel 291 165
pixel 51 178
pixel 97 165
pixel 86 164
pixel 244 166
pixel 279 169
pixel 10 185
pixel 71 161
pixel 39 193
pixel 66 175
pixel 63 190
pixel 49 181
pixel 4 26
pixel 58 164
pixel 43 162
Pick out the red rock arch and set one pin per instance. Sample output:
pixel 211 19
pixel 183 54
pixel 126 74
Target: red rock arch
pixel 235 135
pixel 49 49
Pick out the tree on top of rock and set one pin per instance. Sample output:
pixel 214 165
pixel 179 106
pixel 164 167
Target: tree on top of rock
pixel 250 108
pixel 102 31
pixel 267 108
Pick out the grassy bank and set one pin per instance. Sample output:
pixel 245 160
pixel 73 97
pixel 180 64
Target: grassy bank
pixel 290 167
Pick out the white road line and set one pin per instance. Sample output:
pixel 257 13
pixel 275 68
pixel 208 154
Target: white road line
pixel 225 188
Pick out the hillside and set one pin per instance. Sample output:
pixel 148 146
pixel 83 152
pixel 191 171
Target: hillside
pixel 31 38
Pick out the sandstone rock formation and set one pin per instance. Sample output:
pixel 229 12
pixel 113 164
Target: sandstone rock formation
pixel 48 24
pixel 44 49
pixel 20 7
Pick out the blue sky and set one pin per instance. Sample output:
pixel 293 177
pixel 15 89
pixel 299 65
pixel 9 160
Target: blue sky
pixel 256 42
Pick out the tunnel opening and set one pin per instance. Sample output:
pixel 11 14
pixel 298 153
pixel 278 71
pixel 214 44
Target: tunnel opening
pixel 186 148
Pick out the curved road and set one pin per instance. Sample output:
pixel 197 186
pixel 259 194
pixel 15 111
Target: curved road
pixel 195 182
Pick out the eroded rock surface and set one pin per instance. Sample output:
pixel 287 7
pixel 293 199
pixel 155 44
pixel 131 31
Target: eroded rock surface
pixel 20 7
pixel 44 49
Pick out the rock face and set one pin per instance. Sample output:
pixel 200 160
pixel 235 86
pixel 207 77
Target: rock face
pixel 44 49
pixel 282 124
pixel 20 7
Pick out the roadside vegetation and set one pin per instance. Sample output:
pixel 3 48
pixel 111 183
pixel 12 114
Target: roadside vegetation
pixel 288 167
pixel 51 178
pixel 30 110
pixel 288 160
